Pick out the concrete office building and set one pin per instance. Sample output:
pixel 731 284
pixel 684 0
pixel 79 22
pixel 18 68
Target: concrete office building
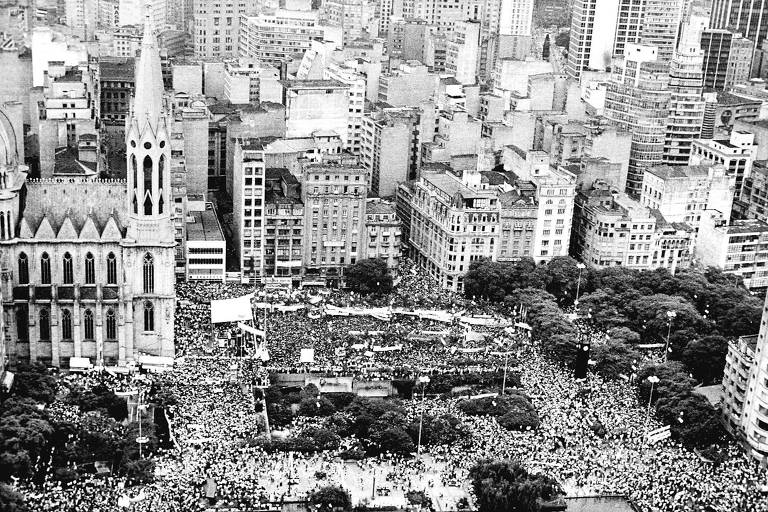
pixel 735 154
pixel 410 84
pixel 738 247
pixel 382 233
pixel 275 35
pixel 727 58
pixel 216 29
pixel 611 229
pixel 356 84
pixel 752 203
pixel 686 105
pixel 316 106
pixel 637 100
pixel 463 51
pixel 206 247
pixel 683 193
pixel 355 18
pixel 334 195
pixel 748 17
pixel 593 28
pixel 248 81
pixel 385 151
pixel 284 225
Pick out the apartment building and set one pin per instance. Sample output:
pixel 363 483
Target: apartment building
pixel 248 81
pixel 463 52
pixel 206 248
pixel 593 28
pixel 283 226
pixel 334 196
pixel 385 151
pixel 248 196
pixel 739 248
pixel 753 200
pixel 356 83
pixel 683 193
pixel 686 105
pixel 216 28
pixel 410 84
pixel 612 229
pixel 637 100
pixel 383 232
pixel 734 153
pixel 275 35
pixel 313 106
pixel 727 58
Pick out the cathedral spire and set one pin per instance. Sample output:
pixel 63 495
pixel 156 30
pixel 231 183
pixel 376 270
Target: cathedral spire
pixel 147 103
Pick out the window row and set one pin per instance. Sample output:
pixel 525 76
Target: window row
pixel 88 323
pixel 67 269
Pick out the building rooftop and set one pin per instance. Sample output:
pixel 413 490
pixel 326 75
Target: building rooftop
pixel 66 162
pixel 747 226
pixel 376 206
pixel 313 84
pixel 117 69
pixel 726 98
pixel 204 227
pixel 666 172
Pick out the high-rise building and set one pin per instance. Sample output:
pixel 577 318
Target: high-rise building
pixel 334 195
pixel 727 59
pixel 748 17
pixel 593 28
pixel 274 35
pixel 463 51
pixel 386 145
pixel 382 240
pixel 216 29
pixel 82 17
pixel 316 106
pixel 686 105
pixel 353 17
pixel 637 100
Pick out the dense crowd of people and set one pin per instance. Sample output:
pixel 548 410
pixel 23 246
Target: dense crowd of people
pixel 216 421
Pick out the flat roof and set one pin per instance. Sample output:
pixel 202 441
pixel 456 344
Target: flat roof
pixel 313 84
pixel 204 228
pixel 747 226
pixel 679 171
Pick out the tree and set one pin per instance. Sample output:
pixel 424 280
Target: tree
pixel 505 486
pixel 35 382
pixel 369 276
pixel 545 48
pixel 705 358
pixel 10 500
pixel 614 358
pixel 691 418
pixel 319 406
pixel 331 497
pixel 562 274
pixel 391 439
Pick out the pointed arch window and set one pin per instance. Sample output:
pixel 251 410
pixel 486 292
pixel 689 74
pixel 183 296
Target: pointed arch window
pixel 66 267
pixel 2 225
pixel 22 324
pixel 147 171
pixel 66 325
pixel 23 269
pixel 160 170
pixel 90 269
pixel 111 324
pixel 45 325
pixel 45 268
pixel 88 325
pixel 111 268
pixel 149 273
pixel 149 317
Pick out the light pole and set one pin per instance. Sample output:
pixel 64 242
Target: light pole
pixel 653 380
pixel 581 267
pixel 423 380
pixel 670 316
pixel 504 381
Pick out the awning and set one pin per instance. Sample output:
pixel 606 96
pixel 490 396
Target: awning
pixel 231 310
pixel 156 362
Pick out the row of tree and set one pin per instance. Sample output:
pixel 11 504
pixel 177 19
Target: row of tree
pixel 632 307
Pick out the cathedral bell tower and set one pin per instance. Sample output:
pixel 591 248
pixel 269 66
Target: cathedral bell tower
pixel 148 149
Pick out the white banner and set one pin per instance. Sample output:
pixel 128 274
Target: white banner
pixel 248 328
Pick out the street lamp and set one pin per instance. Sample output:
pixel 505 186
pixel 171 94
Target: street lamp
pixel 423 380
pixel 581 267
pixel 653 380
pixel 670 316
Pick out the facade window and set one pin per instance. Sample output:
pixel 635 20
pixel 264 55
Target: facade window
pixel 111 324
pixel 149 273
pixel 69 275
pixel 90 269
pixel 45 325
pixel 88 324
pixel 22 324
pixel 111 268
pixel 66 325
pixel 149 317
pixel 45 269
pixel 23 269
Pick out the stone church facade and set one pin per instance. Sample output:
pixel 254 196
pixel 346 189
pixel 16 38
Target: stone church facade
pixel 88 265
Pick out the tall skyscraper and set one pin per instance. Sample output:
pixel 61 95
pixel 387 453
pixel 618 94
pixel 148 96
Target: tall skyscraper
pixel 217 26
pixel 748 17
pixel 727 58
pixel 686 105
pixel 648 22
pixel 637 100
pixel 593 28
